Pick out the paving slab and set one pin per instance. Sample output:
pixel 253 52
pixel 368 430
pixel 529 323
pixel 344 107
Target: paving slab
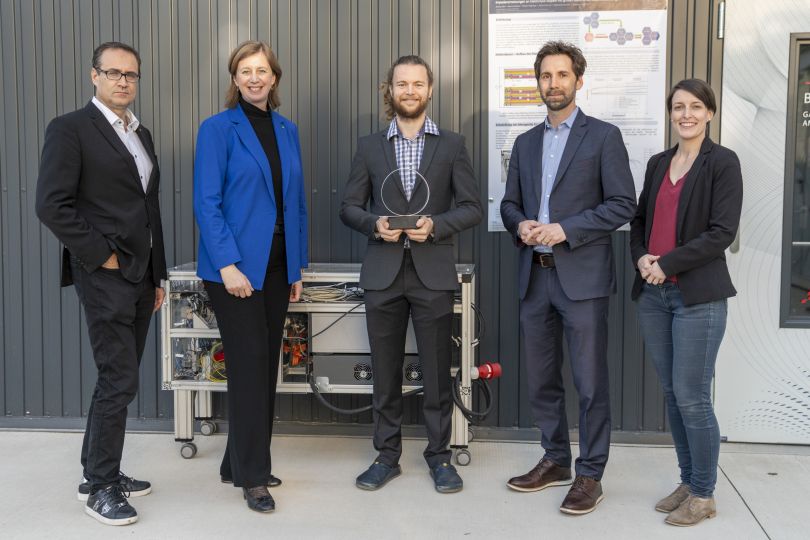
pixel 775 488
pixel 40 473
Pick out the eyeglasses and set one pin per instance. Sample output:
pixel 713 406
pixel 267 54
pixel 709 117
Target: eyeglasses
pixel 115 75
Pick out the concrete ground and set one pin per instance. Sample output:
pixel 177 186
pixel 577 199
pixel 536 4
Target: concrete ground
pixel 761 493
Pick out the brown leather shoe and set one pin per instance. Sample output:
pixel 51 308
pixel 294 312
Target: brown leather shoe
pixel 545 474
pixel 583 496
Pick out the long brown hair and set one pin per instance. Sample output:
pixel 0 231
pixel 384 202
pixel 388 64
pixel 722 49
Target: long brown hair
pixel 385 87
pixel 242 51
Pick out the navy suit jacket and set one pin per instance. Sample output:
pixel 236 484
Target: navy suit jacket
pixel 593 195
pixel 234 201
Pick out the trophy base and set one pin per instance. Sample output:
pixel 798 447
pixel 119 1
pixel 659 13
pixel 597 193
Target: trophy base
pixel 403 222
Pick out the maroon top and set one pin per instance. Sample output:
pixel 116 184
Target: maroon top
pixel 665 218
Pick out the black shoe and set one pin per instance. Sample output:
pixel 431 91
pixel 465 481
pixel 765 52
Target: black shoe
pixel 377 476
pixel 110 506
pixel 446 478
pixel 259 499
pixel 135 488
pixel 273 482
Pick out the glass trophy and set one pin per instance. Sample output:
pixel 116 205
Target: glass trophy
pixel 400 207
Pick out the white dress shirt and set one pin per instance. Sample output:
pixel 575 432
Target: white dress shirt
pixel 128 136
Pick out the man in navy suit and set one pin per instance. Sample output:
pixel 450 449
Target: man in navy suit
pixel 569 186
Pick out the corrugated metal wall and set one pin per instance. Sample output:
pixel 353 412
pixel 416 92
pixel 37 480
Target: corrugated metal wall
pixel 334 53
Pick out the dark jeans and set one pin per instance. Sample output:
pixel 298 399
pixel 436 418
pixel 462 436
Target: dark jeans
pixel 118 314
pixel 683 342
pixel 251 330
pixel 387 314
pixel 546 314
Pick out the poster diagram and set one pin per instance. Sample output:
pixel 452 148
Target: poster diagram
pixel 597 29
pixel 519 88
pixel 624 83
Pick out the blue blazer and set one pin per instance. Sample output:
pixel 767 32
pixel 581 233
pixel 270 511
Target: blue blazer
pixel 234 202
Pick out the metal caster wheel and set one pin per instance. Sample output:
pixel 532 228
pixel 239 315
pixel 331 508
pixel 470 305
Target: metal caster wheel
pixel 470 435
pixel 463 457
pixel 207 428
pixel 188 450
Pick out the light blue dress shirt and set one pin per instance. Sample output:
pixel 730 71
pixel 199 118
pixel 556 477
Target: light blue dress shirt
pixel 554 140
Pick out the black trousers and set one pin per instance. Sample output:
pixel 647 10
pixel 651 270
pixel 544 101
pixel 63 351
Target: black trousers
pixel 546 314
pixel 251 330
pixel 117 313
pixel 387 314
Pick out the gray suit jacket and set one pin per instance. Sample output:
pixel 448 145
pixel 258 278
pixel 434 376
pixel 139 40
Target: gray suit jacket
pixel 593 195
pixel 446 166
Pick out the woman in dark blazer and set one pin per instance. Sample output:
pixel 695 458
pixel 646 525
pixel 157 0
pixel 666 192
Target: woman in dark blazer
pixel 688 214
pixel 251 210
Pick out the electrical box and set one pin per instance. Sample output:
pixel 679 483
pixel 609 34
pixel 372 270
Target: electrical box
pixel 334 333
pixel 324 342
pixel 340 371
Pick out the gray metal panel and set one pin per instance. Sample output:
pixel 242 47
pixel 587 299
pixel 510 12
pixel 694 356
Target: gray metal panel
pixel 70 83
pixel 30 263
pixel 6 59
pixel 333 54
pixel 12 226
pixel 51 323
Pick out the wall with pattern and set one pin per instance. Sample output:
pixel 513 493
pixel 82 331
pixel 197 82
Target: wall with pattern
pixel 334 53
pixel 762 389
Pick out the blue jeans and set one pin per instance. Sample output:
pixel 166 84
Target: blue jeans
pixel 683 342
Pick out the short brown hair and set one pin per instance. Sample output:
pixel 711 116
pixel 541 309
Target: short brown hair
pixel 242 51
pixel 385 87
pixel 698 88
pixel 570 50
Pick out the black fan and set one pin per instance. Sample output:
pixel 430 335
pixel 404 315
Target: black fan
pixel 413 372
pixel 362 372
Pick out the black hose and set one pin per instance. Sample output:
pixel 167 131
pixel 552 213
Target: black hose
pixel 358 410
pixel 472 417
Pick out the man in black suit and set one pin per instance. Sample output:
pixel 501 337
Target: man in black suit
pixel 569 186
pixel 98 193
pixel 410 271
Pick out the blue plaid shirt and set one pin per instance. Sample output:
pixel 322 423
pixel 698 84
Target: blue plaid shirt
pixel 409 152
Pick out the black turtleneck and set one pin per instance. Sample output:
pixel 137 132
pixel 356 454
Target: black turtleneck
pixel 262 123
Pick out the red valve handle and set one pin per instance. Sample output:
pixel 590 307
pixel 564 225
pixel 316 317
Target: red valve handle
pixel 489 370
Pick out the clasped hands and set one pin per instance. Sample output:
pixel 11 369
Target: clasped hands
pixel 424 227
pixel 237 284
pixel 534 233
pixel 650 270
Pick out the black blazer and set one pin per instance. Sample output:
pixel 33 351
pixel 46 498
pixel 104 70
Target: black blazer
pixel 454 206
pixel 708 217
pixel 90 195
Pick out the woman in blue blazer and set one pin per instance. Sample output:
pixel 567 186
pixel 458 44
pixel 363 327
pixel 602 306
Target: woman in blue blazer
pixel 250 207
